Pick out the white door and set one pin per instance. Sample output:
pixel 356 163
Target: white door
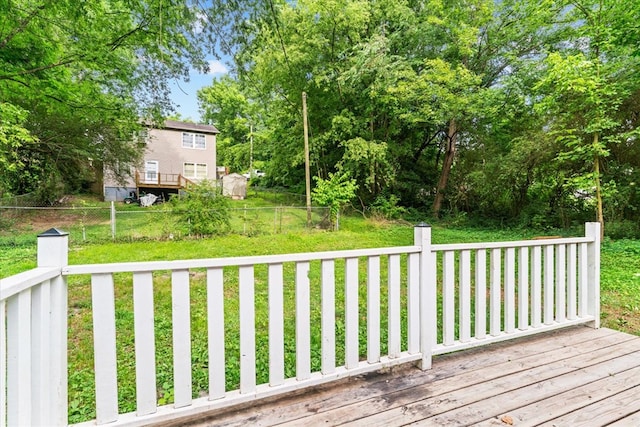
pixel 151 171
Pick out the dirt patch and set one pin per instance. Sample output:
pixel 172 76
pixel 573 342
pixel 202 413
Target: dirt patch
pixel 38 220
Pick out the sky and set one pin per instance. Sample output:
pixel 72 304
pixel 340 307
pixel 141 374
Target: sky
pixel 184 94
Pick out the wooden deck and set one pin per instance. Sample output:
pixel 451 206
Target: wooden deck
pixel 572 377
pixel 162 180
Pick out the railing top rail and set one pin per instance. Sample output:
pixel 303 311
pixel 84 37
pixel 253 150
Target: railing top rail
pixel 510 244
pixel 235 261
pixel 15 284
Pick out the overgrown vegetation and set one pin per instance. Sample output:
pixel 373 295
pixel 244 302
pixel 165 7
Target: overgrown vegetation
pixel 519 111
pixel 620 303
pixel 203 210
pixel 334 192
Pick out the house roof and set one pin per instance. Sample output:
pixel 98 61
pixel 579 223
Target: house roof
pixel 173 124
pixel 233 175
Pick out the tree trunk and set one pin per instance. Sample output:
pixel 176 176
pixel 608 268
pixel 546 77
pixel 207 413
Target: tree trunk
pixel 596 173
pixel 450 153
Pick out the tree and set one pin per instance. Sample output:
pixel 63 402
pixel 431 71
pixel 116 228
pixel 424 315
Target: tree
pixel 334 192
pixel 434 101
pixel 13 138
pixel 224 105
pixel 445 96
pixel 583 89
pixel 85 74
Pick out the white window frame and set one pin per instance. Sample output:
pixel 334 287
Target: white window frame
pixel 151 173
pixel 200 141
pixel 197 170
pixel 194 141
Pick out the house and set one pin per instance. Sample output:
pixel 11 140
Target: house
pixel 175 156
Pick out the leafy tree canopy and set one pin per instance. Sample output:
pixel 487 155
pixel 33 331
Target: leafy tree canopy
pixel 501 108
pixel 515 110
pixel 78 78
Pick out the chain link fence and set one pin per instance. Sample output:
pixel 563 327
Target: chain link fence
pixel 164 224
pixel 160 222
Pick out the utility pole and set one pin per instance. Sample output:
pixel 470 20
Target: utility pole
pixel 307 173
pixel 251 150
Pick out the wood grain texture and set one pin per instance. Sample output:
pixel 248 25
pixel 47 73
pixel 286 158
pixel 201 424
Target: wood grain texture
pixel 575 376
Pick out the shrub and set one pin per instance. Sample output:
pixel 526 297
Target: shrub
pixel 334 192
pixel 202 210
pixel 623 229
pixel 387 207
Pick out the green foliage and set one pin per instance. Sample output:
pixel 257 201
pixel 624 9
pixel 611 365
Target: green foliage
pixel 620 275
pixel 368 163
pixel 387 207
pixel 334 193
pixel 394 88
pixel 224 105
pixel 495 109
pixel 202 210
pixel 14 137
pixel 78 78
pixel 623 229
pixel 582 90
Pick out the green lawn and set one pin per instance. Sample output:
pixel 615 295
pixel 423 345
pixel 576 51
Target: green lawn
pixel 620 296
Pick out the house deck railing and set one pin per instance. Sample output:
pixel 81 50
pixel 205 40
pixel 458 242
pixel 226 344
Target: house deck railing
pixel 164 180
pixel 375 308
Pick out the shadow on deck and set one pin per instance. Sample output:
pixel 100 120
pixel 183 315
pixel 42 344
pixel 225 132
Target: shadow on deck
pixel 572 377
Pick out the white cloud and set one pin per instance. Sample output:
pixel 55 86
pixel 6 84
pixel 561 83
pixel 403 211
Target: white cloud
pixel 217 67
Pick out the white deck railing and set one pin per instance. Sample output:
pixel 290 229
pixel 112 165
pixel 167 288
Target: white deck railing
pixel 433 299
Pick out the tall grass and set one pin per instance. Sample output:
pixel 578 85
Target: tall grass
pixel 620 298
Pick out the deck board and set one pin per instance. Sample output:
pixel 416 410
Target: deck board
pixel 576 376
pixel 628 420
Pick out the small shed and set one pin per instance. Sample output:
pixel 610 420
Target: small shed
pixel 235 186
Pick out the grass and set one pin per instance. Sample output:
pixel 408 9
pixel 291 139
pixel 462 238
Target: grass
pixel 88 224
pixel 620 280
pixel 620 285
pixel 81 346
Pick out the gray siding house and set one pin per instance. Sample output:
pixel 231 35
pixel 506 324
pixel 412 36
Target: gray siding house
pixel 178 154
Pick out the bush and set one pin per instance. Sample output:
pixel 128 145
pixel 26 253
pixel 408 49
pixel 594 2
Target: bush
pixel 624 229
pixel 202 210
pixel 388 208
pixel 333 193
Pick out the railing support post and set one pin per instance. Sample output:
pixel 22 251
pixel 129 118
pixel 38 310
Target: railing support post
pixel 53 250
pixel 592 230
pixel 428 298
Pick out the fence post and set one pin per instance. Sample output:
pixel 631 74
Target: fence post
pixel 53 251
pixel 428 299
pixel 275 220
pixel 113 220
pixel 592 230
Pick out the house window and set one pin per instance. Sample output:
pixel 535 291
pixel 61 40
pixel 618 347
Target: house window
pixel 151 171
pixel 142 136
pixel 200 141
pixel 194 140
pixel 195 170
